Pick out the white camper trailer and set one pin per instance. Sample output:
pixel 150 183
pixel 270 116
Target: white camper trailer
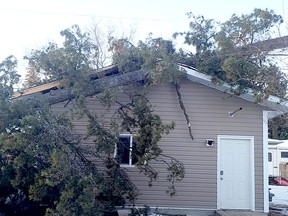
pixel 278 158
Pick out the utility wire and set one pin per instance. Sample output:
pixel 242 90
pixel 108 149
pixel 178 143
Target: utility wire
pixel 91 15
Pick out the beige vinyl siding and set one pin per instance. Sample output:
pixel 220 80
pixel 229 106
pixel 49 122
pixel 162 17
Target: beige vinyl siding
pixel 208 112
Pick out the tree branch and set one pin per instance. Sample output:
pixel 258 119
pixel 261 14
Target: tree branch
pixel 182 106
pixel 265 46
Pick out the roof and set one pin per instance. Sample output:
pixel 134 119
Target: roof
pixel 37 89
pixel 275 105
pixel 106 71
pixel 283 145
pixel 274 141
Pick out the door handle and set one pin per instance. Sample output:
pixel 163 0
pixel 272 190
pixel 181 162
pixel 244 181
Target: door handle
pixel 221 172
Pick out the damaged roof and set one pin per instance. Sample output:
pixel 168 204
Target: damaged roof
pixel 110 76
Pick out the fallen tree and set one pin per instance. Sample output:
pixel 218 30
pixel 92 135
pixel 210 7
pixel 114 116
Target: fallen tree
pixel 95 87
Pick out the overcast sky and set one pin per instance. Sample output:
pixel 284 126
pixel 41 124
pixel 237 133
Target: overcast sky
pixel 31 24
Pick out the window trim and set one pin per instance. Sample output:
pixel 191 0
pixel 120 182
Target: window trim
pixel 130 150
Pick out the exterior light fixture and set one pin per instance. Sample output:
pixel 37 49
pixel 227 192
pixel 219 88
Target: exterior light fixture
pixel 231 114
pixel 210 142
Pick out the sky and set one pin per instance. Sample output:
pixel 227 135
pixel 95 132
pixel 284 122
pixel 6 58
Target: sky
pixel 31 24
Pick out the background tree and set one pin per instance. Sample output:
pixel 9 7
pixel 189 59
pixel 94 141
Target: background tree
pixel 102 39
pixel 32 78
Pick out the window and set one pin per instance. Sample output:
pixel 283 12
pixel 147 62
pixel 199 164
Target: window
pixel 284 154
pixel 125 150
pixel 269 157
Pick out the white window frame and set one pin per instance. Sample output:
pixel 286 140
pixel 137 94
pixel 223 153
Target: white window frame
pixel 130 150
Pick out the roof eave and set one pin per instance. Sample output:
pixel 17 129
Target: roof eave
pixel 276 106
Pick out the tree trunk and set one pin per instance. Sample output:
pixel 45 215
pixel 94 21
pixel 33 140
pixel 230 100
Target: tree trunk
pixel 265 46
pixel 96 87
